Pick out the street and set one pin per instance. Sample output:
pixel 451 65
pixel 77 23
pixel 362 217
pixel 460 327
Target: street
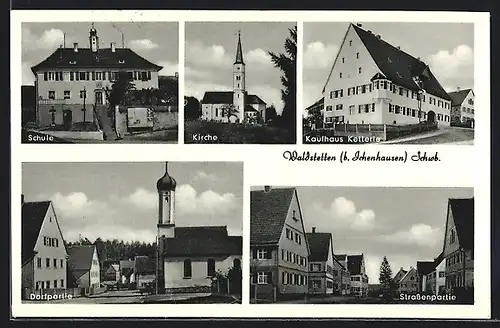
pixel 444 135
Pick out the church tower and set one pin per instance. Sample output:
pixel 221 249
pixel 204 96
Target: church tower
pixel 239 82
pixel 166 224
pixel 93 39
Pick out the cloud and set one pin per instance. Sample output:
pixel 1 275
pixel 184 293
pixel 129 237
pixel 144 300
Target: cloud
pixel 198 54
pixel 272 96
pixel 454 68
pixel 27 74
pixel 311 94
pixel 206 177
pixel 317 55
pixel 143 198
pixel 344 215
pixel 418 234
pixel 188 201
pixel 373 262
pixel 190 72
pixel 258 56
pixel 169 68
pixel 143 44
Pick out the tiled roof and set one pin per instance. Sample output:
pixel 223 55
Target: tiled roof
pixel 317 103
pixel 319 245
pixel 126 264
pixel 249 108
pixel 399 66
pixel 354 264
pixel 340 257
pixel 458 97
pixel 407 274
pixel 80 257
pixel 438 259
pixel 32 216
pixel 144 265
pixel 463 215
pixel 425 267
pixel 103 58
pixel 239 52
pixel 226 97
pixel 394 280
pixel 268 211
pixel 203 241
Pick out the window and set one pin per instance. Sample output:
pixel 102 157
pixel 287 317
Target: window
pixel 397 109
pixel 316 283
pixel 38 262
pixel 262 254
pixel 294 216
pixel 55 283
pixel 87 76
pixel 288 233
pixel 338 107
pixel 352 109
pixel 47 262
pixel 47 284
pixel 262 277
pixel 452 236
pixel 62 264
pixel 357 55
pixel 83 94
pixel 329 108
pixel 340 75
pixel 55 263
pixel 187 269
pixel 441 274
pixel 67 94
pixel 52 95
pixel 343 60
pixel 237 264
pixel 359 70
pixel 81 76
pixel 210 268
pixel 350 43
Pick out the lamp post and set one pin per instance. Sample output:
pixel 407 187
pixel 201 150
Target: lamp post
pixel 84 110
pixel 419 97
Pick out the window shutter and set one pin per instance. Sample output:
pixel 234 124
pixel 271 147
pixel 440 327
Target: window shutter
pixel 269 254
pixel 269 277
pixel 254 253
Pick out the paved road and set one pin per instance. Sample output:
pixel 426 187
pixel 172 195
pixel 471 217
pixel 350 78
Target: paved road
pixel 445 135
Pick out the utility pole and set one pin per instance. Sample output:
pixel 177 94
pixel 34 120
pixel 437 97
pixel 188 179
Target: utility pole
pixel 84 109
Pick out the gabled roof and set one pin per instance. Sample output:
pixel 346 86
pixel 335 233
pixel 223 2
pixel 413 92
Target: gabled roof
pixel 319 245
pixel 425 267
pixel 115 267
pixel 104 58
pixel 203 241
pixel 32 216
pixel 463 215
pixel 407 274
pixel 340 257
pixel 226 97
pixel 399 66
pixel 80 257
pixel 144 265
pixel 126 264
pixel 403 271
pixel 268 212
pixel 354 264
pixel 317 103
pixel 458 97
pixel 438 259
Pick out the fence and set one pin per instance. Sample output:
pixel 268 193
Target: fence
pixel 382 131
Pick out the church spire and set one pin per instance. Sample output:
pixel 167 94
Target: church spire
pixel 239 52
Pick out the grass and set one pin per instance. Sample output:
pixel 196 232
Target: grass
pixel 76 127
pixel 227 133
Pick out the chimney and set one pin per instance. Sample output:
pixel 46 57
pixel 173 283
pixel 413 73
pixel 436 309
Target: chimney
pixel 370 31
pixel 22 199
pixel 75 47
pixel 313 229
pixel 267 188
pixel 359 25
pixel 399 48
pixel 113 47
pixel 458 88
pixel 378 36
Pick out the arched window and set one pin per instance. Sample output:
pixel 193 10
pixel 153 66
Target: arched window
pixel 210 267
pixel 237 264
pixel 187 269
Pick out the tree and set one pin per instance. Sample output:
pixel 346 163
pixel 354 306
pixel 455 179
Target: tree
pixel 385 277
pixel 121 91
pixel 229 110
pixel 287 63
pixel 192 108
pixel 169 87
pixel 314 115
pixel 270 113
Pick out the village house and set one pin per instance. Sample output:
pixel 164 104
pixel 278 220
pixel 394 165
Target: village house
pixel 374 82
pixel 462 106
pixel 341 275
pixel 397 277
pixel 127 272
pixel 191 257
pixel 458 245
pixel 44 255
pixel 216 105
pixel 321 263
pixel 144 271
pixel 83 266
pixel 359 279
pixel 70 82
pixel 423 269
pixel 408 284
pixel 278 244
pixel 112 273
pixel 435 282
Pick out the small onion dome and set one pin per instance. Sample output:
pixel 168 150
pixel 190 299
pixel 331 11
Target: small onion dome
pixel 166 182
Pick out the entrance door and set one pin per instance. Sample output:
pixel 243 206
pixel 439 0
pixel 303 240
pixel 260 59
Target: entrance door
pixel 98 97
pixel 431 117
pixel 67 119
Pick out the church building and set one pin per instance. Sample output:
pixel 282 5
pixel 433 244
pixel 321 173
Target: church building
pixel 70 82
pixel 374 82
pixel 189 258
pixel 236 105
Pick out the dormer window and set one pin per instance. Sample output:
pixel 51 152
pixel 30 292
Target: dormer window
pixel 121 61
pixel 72 62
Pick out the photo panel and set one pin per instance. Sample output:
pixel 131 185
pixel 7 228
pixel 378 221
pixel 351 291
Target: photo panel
pixel 361 245
pixel 99 82
pixel 132 233
pixel 240 82
pixel 388 82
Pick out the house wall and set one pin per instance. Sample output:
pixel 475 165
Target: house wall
pixel 317 277
pixel 144 279
pixel 50 228
pixel 174 270
pixel 440 277
pixel 84 280
pixel 213 112
pixel 27 275
pixel 351 77
pixel 95 270
pixel 161 120
pixel 409 283
pixel 465 111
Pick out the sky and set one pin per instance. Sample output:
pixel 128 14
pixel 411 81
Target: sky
pixel 405 224
pixel 119 200
pixel 446 47
pixel 211 50
pixel 158 42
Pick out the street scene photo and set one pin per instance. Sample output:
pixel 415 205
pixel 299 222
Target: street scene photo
pixel 388 82
pixel 240 83
pixel 100 82
pixel 361 245
pixel 144 232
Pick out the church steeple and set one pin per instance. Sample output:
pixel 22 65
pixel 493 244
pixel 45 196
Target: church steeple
pixel 239 51
pixel 93 39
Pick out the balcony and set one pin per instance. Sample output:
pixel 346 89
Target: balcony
pixel 42 101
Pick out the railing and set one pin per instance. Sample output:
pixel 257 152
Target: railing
pixel 52 101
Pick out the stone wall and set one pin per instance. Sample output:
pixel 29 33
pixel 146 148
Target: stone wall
pixel 163 119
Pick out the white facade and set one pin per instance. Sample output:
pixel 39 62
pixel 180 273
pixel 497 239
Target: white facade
pixel 95 269
pixel 351 97
pixel 51 257
pixel 464 112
